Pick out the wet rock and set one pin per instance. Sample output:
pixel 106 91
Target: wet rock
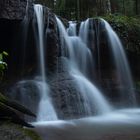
pixel 52 43
pixel 27 94
pixel 65 95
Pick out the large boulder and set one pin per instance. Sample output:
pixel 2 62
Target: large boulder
pixel 65 95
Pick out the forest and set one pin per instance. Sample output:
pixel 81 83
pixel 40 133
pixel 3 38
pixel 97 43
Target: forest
pixel 69 69
pixel 81 9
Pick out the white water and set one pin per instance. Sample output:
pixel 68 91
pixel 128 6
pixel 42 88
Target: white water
pixel 121 124
pixel 46 110
pixel 123 70
pixel 109 122
pixel 84 30
pixel 72 29
pixel 79 58
pixel 93 99
pixel 40 23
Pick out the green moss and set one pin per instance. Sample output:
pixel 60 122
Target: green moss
pixel 12 131
pixel 125 20
pixel 32 134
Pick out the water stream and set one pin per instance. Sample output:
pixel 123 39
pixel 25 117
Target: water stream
pixel 122 66
pixel 100 115
pixel 117 125
pixel 78 62
pixel 45 104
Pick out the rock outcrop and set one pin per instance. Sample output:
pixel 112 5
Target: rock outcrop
pixel 15 9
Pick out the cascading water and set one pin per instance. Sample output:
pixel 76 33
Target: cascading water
pixel 79 57
pixel 46 110
pixel 72 29
pixel 112 122
pixel 123 70
pixel 83 32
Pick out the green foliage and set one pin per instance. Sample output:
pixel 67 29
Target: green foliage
pixel 128 28
pixel 3 64
pixel 125 20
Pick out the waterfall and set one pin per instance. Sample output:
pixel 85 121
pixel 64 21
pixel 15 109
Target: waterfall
pixel 84 30
pixel 40 24
pixel 122 66
pixel 72 29
pixel 79 58
pixel 78 62
pixel 46 110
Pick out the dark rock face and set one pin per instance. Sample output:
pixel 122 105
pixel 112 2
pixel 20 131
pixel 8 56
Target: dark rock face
pixel 52 42
pixel 14 9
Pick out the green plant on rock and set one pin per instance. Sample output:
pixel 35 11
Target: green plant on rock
pixel 3 65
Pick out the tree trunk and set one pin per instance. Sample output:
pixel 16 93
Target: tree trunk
pixel 108 7
pixel 78 10
pixel 136 7
pixel 104 7
pixel 124 12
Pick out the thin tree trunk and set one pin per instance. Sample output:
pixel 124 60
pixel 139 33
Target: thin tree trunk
pixel 136 7
pixel 124 12
pixel 108 7
pixel 78 10
pixel 104 7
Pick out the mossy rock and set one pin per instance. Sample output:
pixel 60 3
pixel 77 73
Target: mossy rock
pixel 9 111
pixel 15 105
pixel 10 131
